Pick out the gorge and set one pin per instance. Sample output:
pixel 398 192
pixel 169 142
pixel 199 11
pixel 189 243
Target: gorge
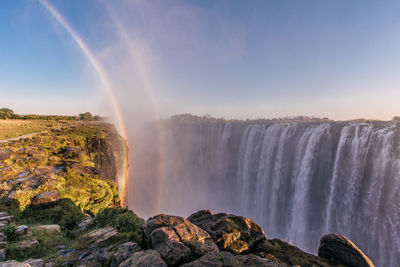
pixel 298 180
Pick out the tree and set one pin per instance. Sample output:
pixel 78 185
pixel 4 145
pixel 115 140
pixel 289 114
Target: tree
pixel 6 113
pixel 87 116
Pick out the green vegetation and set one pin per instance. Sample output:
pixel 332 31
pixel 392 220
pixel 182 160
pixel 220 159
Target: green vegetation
pixel 6 113
pixel 124 220
pixel 61 157
pixel 9 231
pixel 25 248
pixel 61 161
pixel 87 116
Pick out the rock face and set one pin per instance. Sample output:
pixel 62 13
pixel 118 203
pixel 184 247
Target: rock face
pixel 177 239
pixel 110 160
pixel 46 198
pixel 148 258
pixel 230 232
pixel 341 250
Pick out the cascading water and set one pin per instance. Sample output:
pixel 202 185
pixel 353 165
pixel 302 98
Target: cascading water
pixel 297 180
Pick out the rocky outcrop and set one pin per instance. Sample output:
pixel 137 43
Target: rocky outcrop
pixel 46 198
pixel 230 232
pixel 341 250
pixel 108 154
pixel 148 258
pixel 204 239
pixel 177 239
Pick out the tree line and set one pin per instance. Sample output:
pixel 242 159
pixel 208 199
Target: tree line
pixel 8 114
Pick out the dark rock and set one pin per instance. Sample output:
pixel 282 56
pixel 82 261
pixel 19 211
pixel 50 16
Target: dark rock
pixel 46 198
pixel 72 152
pixel 7 219
pixel 101 237
pixel 84 225
pixel 164 232
pixel 168 244
pixel 2 254
pixel 105 255
pixel 210 259
pixel 21 230
pixel 124 251
pixel 83 169
pixel 284 252
pixel 340 250
pixel 65 252
pixel 109 155
pixel 5 154
pixel 60 247
pixel 230 232
pixel 147 258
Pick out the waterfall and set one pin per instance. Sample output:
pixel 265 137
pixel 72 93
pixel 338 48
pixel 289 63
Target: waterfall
pixel 299 181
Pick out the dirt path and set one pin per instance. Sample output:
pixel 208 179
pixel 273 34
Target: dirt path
pixel 20 137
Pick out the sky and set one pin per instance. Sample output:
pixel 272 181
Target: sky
pixel 227 58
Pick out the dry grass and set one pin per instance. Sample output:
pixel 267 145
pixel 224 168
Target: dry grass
pixel 14 128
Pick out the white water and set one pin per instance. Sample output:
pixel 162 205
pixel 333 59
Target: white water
pixel 298 181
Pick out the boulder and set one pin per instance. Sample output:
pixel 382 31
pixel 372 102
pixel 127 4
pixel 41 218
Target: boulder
pixel 173 233
pixel 5 154
pixel 12 264
pixel 168 244
pixel 101 237
pixel 230 232
pixel 4 214
pixel 124 251
pixel 50 227
pixel 84 225
pixel 46 198
pixel 210 259
pixel 7 219
pixel 21 230
pixel 146 258
pixel 34 263
pixel 284 252
pixel 340 250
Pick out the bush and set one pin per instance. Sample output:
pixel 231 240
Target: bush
pixel 9 231
pixel 65 213
pixel 124 220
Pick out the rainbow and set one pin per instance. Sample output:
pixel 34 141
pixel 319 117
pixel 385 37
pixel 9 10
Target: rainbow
pixel 159 183
pixel 123 180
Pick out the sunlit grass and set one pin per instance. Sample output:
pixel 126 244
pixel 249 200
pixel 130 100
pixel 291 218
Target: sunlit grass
pixel 14 128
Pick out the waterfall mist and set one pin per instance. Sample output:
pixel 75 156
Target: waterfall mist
pixel 297 180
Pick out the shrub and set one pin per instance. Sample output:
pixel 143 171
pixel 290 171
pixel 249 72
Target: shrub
pixel 65 213
pixel 124 220
pixel 9 231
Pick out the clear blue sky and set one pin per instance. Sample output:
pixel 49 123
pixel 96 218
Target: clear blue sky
pixel 236 59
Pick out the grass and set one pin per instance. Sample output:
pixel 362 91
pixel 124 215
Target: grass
pixel 48 151
pixel 14 128
pixel 124 220
pixel 81 193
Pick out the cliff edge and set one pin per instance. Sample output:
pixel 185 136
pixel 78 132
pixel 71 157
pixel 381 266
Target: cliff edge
pixel 60 207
